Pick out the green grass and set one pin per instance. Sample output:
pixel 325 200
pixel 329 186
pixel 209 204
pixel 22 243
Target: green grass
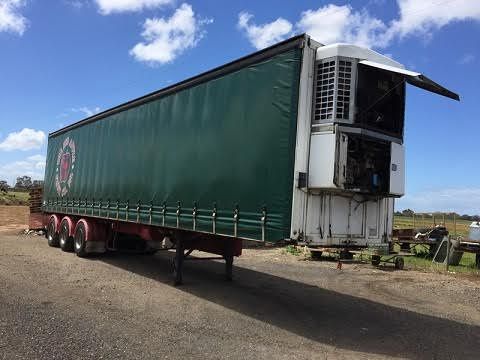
pixel 422 261
pixel 461 228
pixel 14 198
pixel 293 250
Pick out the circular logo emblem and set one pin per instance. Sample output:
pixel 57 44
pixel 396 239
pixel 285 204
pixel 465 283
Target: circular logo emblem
pixel 65 166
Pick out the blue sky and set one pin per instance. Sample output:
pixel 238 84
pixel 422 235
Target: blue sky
pixel 65 59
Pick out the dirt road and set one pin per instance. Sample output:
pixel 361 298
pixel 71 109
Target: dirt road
pixel 12 215
pixel 54 305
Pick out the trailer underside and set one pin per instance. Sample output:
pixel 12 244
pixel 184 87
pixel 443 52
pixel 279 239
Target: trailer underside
pixel 86 235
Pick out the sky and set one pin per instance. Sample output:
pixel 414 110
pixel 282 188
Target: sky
pixel 64 60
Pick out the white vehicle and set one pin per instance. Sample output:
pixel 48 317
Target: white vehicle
pixel 474 232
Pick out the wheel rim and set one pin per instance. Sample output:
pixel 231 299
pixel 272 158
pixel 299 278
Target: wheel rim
pixel 50 231
pixel 79 238
pixel 64 234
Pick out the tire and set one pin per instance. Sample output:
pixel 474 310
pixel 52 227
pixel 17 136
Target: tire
pixel 66 241
pixel 399 263
pixel 51 234
pixel 376 260
pixel 80 240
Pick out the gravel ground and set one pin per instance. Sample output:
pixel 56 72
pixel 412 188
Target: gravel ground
pixel 54 305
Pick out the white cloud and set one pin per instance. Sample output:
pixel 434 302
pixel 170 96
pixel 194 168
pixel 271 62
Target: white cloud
pixel 25 139
pixel 86 110
pixel 460 200
pixel 167 38
pixel 39 160
pixel 423 17
pixel 33 166
pixel 10 18
pixel 261 36
pixel 333 23
pixel 107 7
pixel 466 59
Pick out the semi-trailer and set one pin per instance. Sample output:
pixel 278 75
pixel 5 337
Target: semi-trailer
pixel 298 141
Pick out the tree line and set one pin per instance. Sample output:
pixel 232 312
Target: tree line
pixel 22 183
pixel 448 215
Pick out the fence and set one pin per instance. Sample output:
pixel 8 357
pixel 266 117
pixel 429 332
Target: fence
pixel 454 225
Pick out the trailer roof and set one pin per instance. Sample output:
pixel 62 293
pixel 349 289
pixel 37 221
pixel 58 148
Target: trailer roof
pixel 294 42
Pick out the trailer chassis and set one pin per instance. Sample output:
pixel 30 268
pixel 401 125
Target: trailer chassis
pixel 100 235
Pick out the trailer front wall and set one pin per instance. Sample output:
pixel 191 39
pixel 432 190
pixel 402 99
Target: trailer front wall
pixel 226 142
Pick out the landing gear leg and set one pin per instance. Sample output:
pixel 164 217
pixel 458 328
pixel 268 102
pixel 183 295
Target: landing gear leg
pixel 228 256
pixel 229 267
pixel 178 266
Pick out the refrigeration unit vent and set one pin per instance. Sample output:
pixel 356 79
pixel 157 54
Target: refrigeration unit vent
pixel 343 89
pixel 332 90
pixel 324 91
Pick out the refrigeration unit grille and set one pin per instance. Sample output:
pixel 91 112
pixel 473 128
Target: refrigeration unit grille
pixel 343 89
pixel 324 91
pixel 333 81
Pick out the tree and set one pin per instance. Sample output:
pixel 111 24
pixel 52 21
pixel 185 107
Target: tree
pixel 408 212
pixel 466 217
pixel 4 186
pixel 23 182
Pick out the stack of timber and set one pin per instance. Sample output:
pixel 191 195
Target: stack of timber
pixel 35 205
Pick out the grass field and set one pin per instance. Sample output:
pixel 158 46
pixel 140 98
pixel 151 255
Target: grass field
pixel 421 260
pixel 14 198
pixel 460 228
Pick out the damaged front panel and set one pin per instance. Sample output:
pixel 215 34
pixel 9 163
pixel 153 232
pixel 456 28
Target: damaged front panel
pixel 345 160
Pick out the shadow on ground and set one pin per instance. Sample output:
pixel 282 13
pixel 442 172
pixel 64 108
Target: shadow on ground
pixel 343 321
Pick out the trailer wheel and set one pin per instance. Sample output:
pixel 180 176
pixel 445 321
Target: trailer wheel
pixel 66 242
pixel 376 260
pixel 52 236
pixel 399 263
pixel 80 240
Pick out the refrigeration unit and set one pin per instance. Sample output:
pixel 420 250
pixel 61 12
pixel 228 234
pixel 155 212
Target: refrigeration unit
pixel 356 163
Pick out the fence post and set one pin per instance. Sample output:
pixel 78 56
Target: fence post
pixel 447 259
pixel 455 224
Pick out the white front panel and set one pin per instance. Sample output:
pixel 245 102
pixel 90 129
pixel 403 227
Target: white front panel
pixel 346 217
pixel 322 160
pixel 339 216
pixel 373 211
pixel 339 220
pixel 397 170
